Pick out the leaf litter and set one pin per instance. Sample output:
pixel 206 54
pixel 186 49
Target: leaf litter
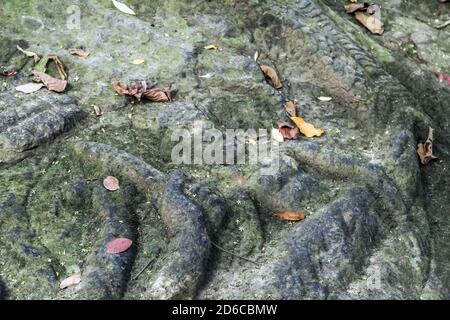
pixel 369 15
pixel 141 90
pixel 425 150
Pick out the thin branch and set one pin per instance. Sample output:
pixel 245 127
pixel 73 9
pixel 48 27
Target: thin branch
pixel 233 254
pixel 144 268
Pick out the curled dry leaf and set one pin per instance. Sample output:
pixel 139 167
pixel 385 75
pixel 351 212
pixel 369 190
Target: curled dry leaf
pixel 211 47
pixel 138 61
pixel 111 183
pixel 353 7
pixel 290 215
pixel 30 87
pixel 370 21
pixel 276 135
pixel 79 52
pixel 29 54
pixel 425 150
pixel 306 128
pixel 287 131
pixel 442 76
pixel 272 74
pixel 9 73
pixel 51 83
pixel 97 110
pixel 158 95
pixel 118 245
pixel 291 107
pixel 123 7
pixel 70 281
pixel 139 90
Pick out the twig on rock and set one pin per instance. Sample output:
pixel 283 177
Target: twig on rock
pixel 233 254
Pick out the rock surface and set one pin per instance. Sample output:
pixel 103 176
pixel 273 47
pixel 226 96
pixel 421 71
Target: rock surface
pixel 376 224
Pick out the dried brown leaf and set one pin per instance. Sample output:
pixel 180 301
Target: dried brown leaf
pixel 425 150
pixel 9 73
pixel 51 83
pixel 272 74
pixel 291 107
pixel 79 52
pixel 371 22
pixel 158 95
pixel 353 7
pixel 139 90
pixel 29 54
pixel 290 215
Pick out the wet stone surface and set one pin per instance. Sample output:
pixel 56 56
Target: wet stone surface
pixel 376 221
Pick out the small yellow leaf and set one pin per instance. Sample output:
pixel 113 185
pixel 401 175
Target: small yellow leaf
pixel 138 61
pixel 306 128
pixel 211 47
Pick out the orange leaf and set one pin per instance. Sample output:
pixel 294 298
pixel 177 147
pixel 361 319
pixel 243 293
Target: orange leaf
pixel 111 183
pixel 306 128
pixel 290 215
pixel 118 245
pixel 272 74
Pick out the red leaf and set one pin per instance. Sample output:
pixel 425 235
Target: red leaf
pixel 287 131
pixel 443 76
pixel 111 183
pixel 118 245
